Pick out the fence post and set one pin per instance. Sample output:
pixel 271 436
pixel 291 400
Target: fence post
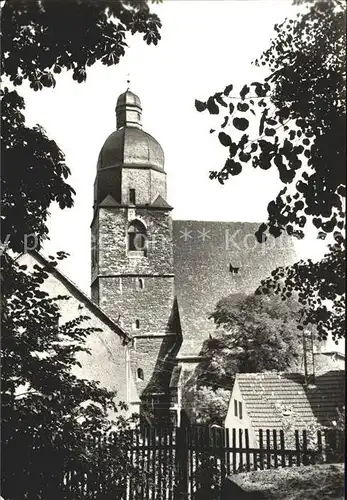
pixel 268 447
pixel 182 463
pixel 283 454
pixel 261 449
pixel 248 462
pixel 274 438
pixel 305 459
pixel 297 448
pixel 234 452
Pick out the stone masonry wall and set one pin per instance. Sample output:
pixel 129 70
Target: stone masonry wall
pixel 123 300
pixel 114 258
pixel 150 355
pixel 138 179
pixel 137 290
pixel 158 184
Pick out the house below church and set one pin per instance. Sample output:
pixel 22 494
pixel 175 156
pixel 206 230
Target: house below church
pixel 283 401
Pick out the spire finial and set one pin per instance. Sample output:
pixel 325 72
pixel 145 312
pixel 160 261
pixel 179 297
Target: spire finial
pixel 128 81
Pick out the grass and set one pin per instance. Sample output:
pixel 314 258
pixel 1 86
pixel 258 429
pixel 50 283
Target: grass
pixel 316 482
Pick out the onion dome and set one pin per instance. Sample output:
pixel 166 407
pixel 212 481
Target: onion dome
pixel 129 145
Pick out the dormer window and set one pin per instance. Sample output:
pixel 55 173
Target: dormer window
pixel 132 196
pixel 233 270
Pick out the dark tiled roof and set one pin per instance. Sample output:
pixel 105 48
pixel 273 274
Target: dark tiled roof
pixel 159 202
pixel 109 201
pixel 271 398
pixel 203 252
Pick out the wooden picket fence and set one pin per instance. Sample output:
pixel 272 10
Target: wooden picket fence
pixel 177 463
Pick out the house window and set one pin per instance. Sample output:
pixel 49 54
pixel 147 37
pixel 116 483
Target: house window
pixel 233 270
pixel 240 410
pixel 140 374
pixel 235 408
pixel 132 196
pixel 137 237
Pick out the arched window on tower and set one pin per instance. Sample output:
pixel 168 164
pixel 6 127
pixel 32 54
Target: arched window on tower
pixel 137 237
pixel 140 374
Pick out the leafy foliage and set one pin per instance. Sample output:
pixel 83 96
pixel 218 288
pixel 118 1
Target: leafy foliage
pixel 40 39
pixel 206 405
pixel 299 111
pixel 47 411
pixel 256 333
pixel 320 287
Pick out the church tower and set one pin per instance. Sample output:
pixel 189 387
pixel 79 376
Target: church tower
pixel 132 277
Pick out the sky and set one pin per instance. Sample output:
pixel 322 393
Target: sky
pixel 205 45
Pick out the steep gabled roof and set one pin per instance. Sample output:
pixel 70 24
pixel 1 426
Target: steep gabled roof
pixel 270 398
pixel 203 253
pixel 74 290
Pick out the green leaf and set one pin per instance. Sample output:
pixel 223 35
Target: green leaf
pixel 212 106
pixel 219 99
pixel 242 106
pixel 240 123
pixel 262 121
pixel 228 89
pixel 226 120
pixel 233 149
pixel 259 89
pixel 244 91
pixel 232 167
pixel 200 106
pixel 244 157
pixel 224 139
